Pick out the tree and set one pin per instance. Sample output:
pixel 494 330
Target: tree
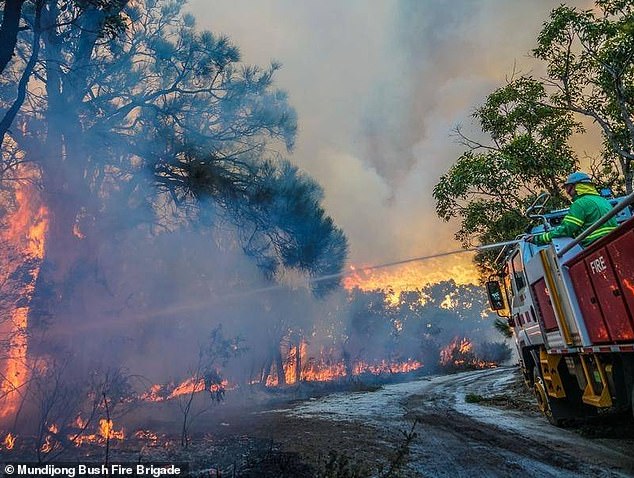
pixel 156 130
pixel 371 330
pixel 493 182
pixel 31 12
pixel 9 29
pixel 590 59
pixel 164 98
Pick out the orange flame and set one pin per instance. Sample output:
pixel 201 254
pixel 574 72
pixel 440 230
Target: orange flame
pixel 49 441
pixel 459 354
pixel 147 435
pixel 27 228
pixel 106 430
pixel 159 393
pixel 80 423
pixel 326 368
pixel 414 275
pixel 454 352
pixel 9 442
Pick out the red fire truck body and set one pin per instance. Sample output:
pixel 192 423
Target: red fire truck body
pixel 572 315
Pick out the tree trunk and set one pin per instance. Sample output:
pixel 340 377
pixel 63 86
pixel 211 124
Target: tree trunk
pixel 279 366
pixel 9 31
pixel 298 361
pixel 266 370
pixel 347 361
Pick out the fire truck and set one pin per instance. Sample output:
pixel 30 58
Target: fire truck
pixel 571 310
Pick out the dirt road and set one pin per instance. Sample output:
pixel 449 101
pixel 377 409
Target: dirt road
pixel 455 438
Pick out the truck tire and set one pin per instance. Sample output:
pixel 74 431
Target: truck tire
pixel 555 410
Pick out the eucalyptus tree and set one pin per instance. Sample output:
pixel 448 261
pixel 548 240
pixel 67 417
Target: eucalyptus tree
pixel 494 180
pixel 590 59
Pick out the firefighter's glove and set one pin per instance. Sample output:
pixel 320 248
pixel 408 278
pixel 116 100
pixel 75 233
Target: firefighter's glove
pixel 538 239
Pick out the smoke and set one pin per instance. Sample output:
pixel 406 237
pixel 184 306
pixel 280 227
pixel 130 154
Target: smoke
pixel 379 87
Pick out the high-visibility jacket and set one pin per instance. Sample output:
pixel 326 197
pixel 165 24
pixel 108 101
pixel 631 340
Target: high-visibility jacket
pixel 586 209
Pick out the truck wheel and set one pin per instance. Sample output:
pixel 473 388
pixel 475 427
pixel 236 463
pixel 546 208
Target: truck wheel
pixel 555 410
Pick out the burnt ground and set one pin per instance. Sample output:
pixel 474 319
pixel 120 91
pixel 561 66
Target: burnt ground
pixel 470 424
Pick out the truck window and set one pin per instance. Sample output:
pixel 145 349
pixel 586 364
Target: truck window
pixel 518 271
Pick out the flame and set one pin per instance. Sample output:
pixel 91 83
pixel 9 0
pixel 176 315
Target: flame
pixel 80 423
pixel 77 232
pixel 458 354
pixel 159 393
pixel 106 430
pixel 26 234
pixel 49 443
pixel 9 442
pixel 454 352
pixel 385 367
pixel 414 275
pixel 325 367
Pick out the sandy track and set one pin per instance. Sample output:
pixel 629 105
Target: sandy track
pixel 455 438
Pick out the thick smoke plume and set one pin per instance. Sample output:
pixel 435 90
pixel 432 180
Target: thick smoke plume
pixel 379 88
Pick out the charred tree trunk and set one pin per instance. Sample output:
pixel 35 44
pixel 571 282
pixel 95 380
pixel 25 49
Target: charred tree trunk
pixel 266 370
pixel 298 361
pixel 70 257
pixel 279 367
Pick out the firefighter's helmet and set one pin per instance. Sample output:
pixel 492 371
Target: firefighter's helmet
pixel 578 177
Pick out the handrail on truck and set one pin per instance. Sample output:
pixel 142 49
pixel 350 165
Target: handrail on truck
pixel 617 209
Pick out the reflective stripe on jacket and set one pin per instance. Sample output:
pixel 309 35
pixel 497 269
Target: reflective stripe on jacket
pixel 586 209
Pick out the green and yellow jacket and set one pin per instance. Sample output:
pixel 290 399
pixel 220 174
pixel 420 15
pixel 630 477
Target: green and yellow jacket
pixel 587 208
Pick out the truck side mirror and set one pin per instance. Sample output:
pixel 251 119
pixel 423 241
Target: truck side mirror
pixel 494 292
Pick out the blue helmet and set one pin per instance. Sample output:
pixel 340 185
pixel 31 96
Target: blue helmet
pixel 578 177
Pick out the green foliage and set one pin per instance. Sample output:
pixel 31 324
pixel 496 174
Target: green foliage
pixel 590 60
pixel 491 184
pixel 502 326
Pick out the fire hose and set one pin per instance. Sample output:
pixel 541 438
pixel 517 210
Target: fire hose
pixel 351 271
pixel 416 259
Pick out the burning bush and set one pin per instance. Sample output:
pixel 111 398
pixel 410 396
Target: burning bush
pixel 459 355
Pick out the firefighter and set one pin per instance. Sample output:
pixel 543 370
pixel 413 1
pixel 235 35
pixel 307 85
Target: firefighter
pixel 586 208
